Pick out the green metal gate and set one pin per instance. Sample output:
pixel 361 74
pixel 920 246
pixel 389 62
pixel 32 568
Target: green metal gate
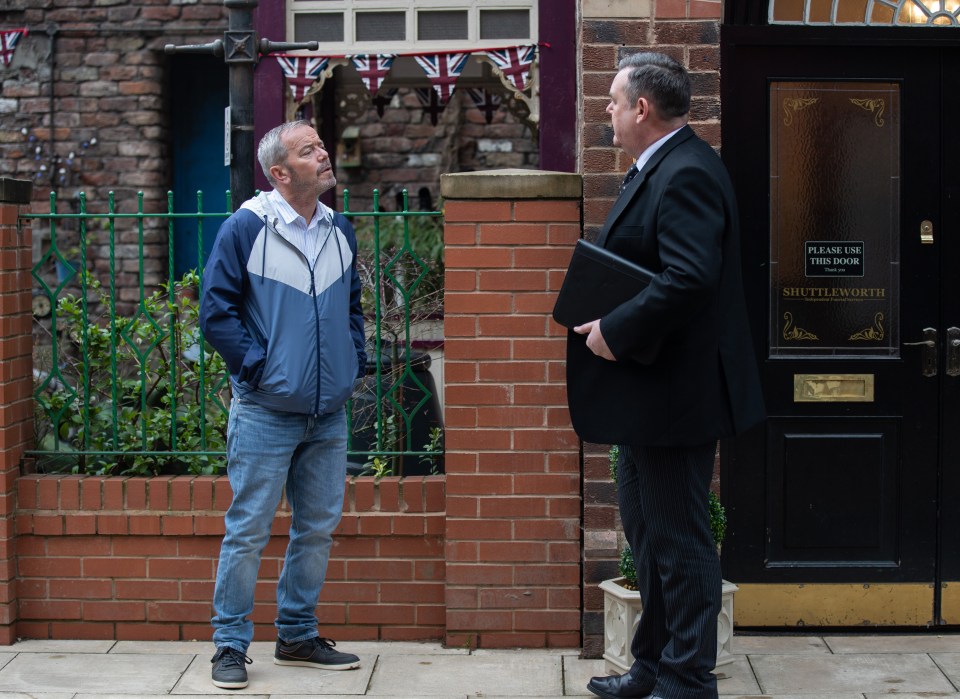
pixel 125 384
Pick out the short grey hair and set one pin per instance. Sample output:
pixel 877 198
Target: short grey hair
pixel 660 79
pixel 271 150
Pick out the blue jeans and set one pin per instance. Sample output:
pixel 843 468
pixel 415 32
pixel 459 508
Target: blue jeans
pixel 267 450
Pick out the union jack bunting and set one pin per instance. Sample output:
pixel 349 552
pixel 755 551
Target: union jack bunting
pixel 301 72
pixel 514 63
pixel 8 44
pixel 486 101
pixel 443 69
pixel 373 69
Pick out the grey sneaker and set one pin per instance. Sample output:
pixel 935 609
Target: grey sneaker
pixel 229 671
pixel 314 652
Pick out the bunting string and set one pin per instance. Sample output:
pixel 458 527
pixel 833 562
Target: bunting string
pixel 442 69
pixel 301 72
pixel 373 68
pixel 514 63
pixel 8 43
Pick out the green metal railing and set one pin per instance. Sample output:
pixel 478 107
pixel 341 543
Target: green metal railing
pixel 124 382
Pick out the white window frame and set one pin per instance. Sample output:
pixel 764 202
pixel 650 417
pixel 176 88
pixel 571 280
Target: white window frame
pixel 350 8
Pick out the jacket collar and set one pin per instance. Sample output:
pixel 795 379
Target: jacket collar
pixel 620 205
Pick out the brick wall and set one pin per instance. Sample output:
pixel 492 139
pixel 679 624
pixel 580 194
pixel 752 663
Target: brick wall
pixel 512 460
pixel 688 30
pixel 135 559
pixel 106 123
pixel 16 386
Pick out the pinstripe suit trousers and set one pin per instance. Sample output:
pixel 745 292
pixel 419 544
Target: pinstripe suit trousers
pixel 663 494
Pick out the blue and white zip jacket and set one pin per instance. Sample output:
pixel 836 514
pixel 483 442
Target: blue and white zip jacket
pixel 289 328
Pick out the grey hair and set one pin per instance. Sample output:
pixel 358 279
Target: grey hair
pixel 271 150
pixel 660 79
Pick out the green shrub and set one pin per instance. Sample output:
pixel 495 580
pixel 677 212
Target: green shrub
pixel 133 387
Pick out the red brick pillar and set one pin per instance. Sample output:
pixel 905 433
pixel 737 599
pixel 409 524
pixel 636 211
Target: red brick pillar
pixel 16 382
pixel 513 524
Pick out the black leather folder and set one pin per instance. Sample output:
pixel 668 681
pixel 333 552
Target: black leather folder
pixel 598 281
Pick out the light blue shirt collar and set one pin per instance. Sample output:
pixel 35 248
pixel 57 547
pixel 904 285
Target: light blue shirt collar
pixel 653 148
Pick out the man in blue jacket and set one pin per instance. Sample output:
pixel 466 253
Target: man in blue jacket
pixel 281 304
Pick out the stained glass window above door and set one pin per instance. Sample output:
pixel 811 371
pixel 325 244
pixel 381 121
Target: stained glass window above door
pixel 932 13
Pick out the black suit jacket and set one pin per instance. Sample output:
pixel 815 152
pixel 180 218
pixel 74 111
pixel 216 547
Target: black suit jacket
pixel 677 217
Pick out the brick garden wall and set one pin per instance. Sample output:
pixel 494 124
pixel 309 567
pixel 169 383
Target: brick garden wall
pixel 486 556
pixel 16 383
pixel 688 30
pixel 135 559
pixel 512 459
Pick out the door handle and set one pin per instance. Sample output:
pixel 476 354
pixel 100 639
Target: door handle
pixel 953 351
pixel 929 355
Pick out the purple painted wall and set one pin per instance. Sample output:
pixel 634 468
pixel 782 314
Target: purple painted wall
pixel 558 85
pixel 268 83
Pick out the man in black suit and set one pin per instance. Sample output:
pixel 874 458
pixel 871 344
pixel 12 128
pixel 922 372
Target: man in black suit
pixel 676 215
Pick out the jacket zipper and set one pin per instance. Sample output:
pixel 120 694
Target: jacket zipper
pixel 316 317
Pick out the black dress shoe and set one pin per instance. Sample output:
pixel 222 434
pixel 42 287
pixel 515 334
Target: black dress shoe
pixel 618 687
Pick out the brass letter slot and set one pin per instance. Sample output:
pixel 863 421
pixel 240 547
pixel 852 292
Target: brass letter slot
pixel 836 388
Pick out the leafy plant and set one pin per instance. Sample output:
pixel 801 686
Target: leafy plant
pixel 628 568
pixel 434 447
pixel 137 395
pixel 380 468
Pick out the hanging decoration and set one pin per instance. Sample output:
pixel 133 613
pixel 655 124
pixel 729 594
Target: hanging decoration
pixel 373 69
pixel 301 72
pixel 8 43
pixel 58 170
pixel 431 103
pixel 486 101
pixel 514 63
pixel 443 69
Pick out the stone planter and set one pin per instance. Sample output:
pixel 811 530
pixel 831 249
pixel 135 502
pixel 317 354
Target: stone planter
pixel 621 614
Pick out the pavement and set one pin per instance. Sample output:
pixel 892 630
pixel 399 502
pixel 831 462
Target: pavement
pixel 764 667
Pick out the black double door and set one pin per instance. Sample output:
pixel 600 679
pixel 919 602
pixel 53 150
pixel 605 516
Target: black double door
pixel 844 507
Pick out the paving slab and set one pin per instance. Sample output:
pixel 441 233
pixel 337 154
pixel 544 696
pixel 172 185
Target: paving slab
pixel 91 673
pixel 398 648
pixel 949 664
pixel 737 677
pixel 832 695
pixel 202 648
pixel 508 674
pixel 919 643
pixel 777 645
pixel 354 696
pixel 880 673
pixel 267 678
pixel 47 695
pixel 47 646
pixel 577 672
pixel 925 695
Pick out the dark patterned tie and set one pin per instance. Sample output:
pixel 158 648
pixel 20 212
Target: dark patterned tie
pixel 631 173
